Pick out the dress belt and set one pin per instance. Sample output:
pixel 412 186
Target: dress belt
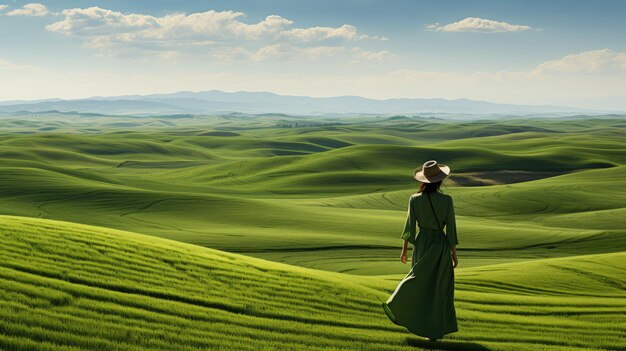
pixel 429 230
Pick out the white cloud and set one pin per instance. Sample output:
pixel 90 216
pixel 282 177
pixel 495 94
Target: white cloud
pixel 218 34
pixel 285 52
pixel 2 7
pixel 32 9
pixel 474 24
pixel 373 37
pixel 342 53
pixel 360 55
pixel 226 53
pixel 345 32
pixel 270 52
pixel 603 61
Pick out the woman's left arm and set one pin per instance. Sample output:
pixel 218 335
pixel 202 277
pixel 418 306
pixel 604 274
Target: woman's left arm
pixel 455 259
pixel 409 231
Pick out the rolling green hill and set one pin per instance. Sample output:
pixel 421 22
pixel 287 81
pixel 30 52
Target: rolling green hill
pixel 327 197
pixel 237 232
pixel 66 286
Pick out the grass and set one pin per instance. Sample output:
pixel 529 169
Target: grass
pixel 543 222
pixel 232 233
pixel 70 287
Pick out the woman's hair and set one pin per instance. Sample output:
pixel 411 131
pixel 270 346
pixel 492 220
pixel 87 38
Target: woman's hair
pixel 429 187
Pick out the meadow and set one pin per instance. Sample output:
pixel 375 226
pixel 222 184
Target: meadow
pixel 276 232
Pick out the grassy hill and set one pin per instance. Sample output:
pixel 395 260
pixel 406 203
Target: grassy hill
pixel 326 233
pixel 66 286
pixel 310 217
pixel 328 197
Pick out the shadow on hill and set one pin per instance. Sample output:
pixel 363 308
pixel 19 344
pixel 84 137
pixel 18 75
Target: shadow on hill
pixel 445 345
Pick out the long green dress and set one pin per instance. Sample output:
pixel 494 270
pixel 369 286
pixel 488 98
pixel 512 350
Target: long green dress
pixel 423 302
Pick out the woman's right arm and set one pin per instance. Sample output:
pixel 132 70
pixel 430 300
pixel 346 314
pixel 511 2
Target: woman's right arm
pixel 451 233
pixel 405 245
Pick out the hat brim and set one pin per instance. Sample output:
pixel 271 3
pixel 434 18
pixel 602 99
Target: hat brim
pixel 445 170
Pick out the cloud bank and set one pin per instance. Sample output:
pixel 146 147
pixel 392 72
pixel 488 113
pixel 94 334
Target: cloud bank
pixel 480 25
pixel 32 9
pixel 589 62
pixel 222 34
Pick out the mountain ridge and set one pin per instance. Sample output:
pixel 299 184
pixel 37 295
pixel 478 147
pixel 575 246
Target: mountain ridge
pixel 262 102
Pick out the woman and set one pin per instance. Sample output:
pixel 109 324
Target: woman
pixel 423 302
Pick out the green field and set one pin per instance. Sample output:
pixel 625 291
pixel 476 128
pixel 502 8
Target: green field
pixel 233 232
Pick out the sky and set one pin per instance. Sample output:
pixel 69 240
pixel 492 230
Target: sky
pixel 570 53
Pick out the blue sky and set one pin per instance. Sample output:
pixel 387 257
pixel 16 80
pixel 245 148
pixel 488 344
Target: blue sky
pixel 530 52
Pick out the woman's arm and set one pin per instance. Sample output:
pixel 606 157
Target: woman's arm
pixel 451 234
pixel 409 231
pixel 450 223
pixel 455 259
pixel 404 248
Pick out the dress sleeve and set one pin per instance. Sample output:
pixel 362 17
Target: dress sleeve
pixel 408 233
pixel 451 225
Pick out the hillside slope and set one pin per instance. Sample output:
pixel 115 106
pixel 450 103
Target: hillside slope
pixel 322 196
pixel 65 286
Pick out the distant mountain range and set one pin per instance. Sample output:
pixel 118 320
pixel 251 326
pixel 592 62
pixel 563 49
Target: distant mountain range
pixel 219 102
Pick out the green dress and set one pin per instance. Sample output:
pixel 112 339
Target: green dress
pixel 423 302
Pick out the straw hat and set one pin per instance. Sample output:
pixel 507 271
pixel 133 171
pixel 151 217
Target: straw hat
pixel 432 172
